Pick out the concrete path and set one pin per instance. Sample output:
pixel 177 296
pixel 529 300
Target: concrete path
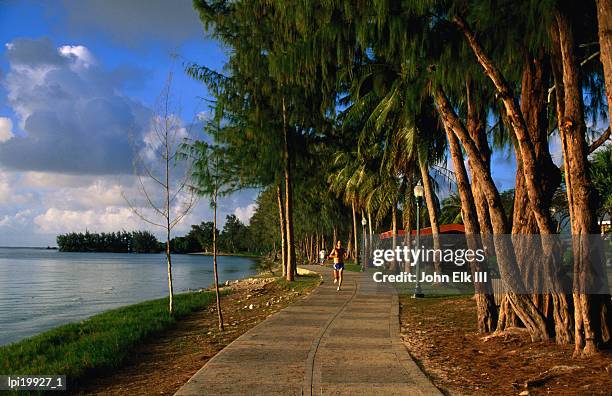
pixel 330 343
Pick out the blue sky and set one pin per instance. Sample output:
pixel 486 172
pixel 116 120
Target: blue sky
pixel 79 83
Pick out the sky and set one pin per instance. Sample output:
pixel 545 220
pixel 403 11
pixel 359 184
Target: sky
pixel 80 82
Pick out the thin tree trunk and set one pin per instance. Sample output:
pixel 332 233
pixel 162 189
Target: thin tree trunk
pixel 370 227
pixel 394 234
pixel 291 262
pixel 544 272
pixel 355 232
pixel 283 234
pixel 485 303
pixel 365 247
pixel 408 217
pixel 216 273
pixel 349 245
pixel 476 126
pixel 604 20
pixel 312 248
pixel 431 210
pixel 168 229
pixel 170 286
pixel 592 321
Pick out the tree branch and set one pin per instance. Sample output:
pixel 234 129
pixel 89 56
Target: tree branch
pixel 601 140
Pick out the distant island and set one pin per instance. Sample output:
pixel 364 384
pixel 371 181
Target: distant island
pixel 236 238
pixel 111 242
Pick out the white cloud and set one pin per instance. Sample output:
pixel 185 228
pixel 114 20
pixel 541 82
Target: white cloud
pixel 84 58
pixel 18 219
pixel 105 220
pixel 244 214
pixel 6 129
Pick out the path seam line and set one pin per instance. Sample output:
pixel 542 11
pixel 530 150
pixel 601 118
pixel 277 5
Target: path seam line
pixel 309 369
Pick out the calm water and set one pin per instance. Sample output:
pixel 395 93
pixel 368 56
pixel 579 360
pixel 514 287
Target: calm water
pixel 41 289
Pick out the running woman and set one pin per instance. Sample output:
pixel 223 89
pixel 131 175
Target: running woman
pixel 338 254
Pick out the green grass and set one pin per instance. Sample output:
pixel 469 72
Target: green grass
pixel 98 343
pixel 352 267
pixel 301 282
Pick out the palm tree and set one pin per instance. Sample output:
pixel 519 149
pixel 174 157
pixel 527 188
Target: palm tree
pixel 451 210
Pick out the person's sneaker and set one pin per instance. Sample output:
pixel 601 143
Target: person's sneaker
pixel 335 281
pixel 338 288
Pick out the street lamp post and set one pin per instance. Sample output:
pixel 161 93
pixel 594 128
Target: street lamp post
pixel 364 263
pixel 418 194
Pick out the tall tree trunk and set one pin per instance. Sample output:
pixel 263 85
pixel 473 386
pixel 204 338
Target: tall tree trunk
pixel 592 321
pixel 365 245
pixel 476 126
pixel 604 20
pixel 349 245
pixel 485 303
pixel 216 273
pixel 407 216
pixel 370 227
pixel 394 234
pixel 355 232
pixel 509 270
pixel 170 286
pixel 431 210
pixel 291 262
pixel 543 272
pixel 283 232
pixel 312 248
pixel 168 229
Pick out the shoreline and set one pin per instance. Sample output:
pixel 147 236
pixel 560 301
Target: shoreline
pixel 101 345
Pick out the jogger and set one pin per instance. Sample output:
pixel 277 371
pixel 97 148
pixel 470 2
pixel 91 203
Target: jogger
pixel 338 254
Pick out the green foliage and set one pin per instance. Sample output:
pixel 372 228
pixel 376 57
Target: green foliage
pixel 113 242
pixel 601 175
pixel 451 210
pixel 235 236
pixel 198 239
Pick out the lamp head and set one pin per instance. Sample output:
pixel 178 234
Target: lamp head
pixel 364 222
pixel 418 190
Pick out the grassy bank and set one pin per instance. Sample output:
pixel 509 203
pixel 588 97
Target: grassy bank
pixel 99 343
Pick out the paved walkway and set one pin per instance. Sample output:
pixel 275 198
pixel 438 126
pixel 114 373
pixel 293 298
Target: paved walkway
pixel 330 343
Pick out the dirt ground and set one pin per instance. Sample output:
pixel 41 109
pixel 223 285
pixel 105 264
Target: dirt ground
pixel 440 334
pixel 161 365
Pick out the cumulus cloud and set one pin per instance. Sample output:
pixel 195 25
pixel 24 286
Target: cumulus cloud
pixel 56 221
pixel 6 129
pixel 20 218
pixel 72 112
pixel 244 214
